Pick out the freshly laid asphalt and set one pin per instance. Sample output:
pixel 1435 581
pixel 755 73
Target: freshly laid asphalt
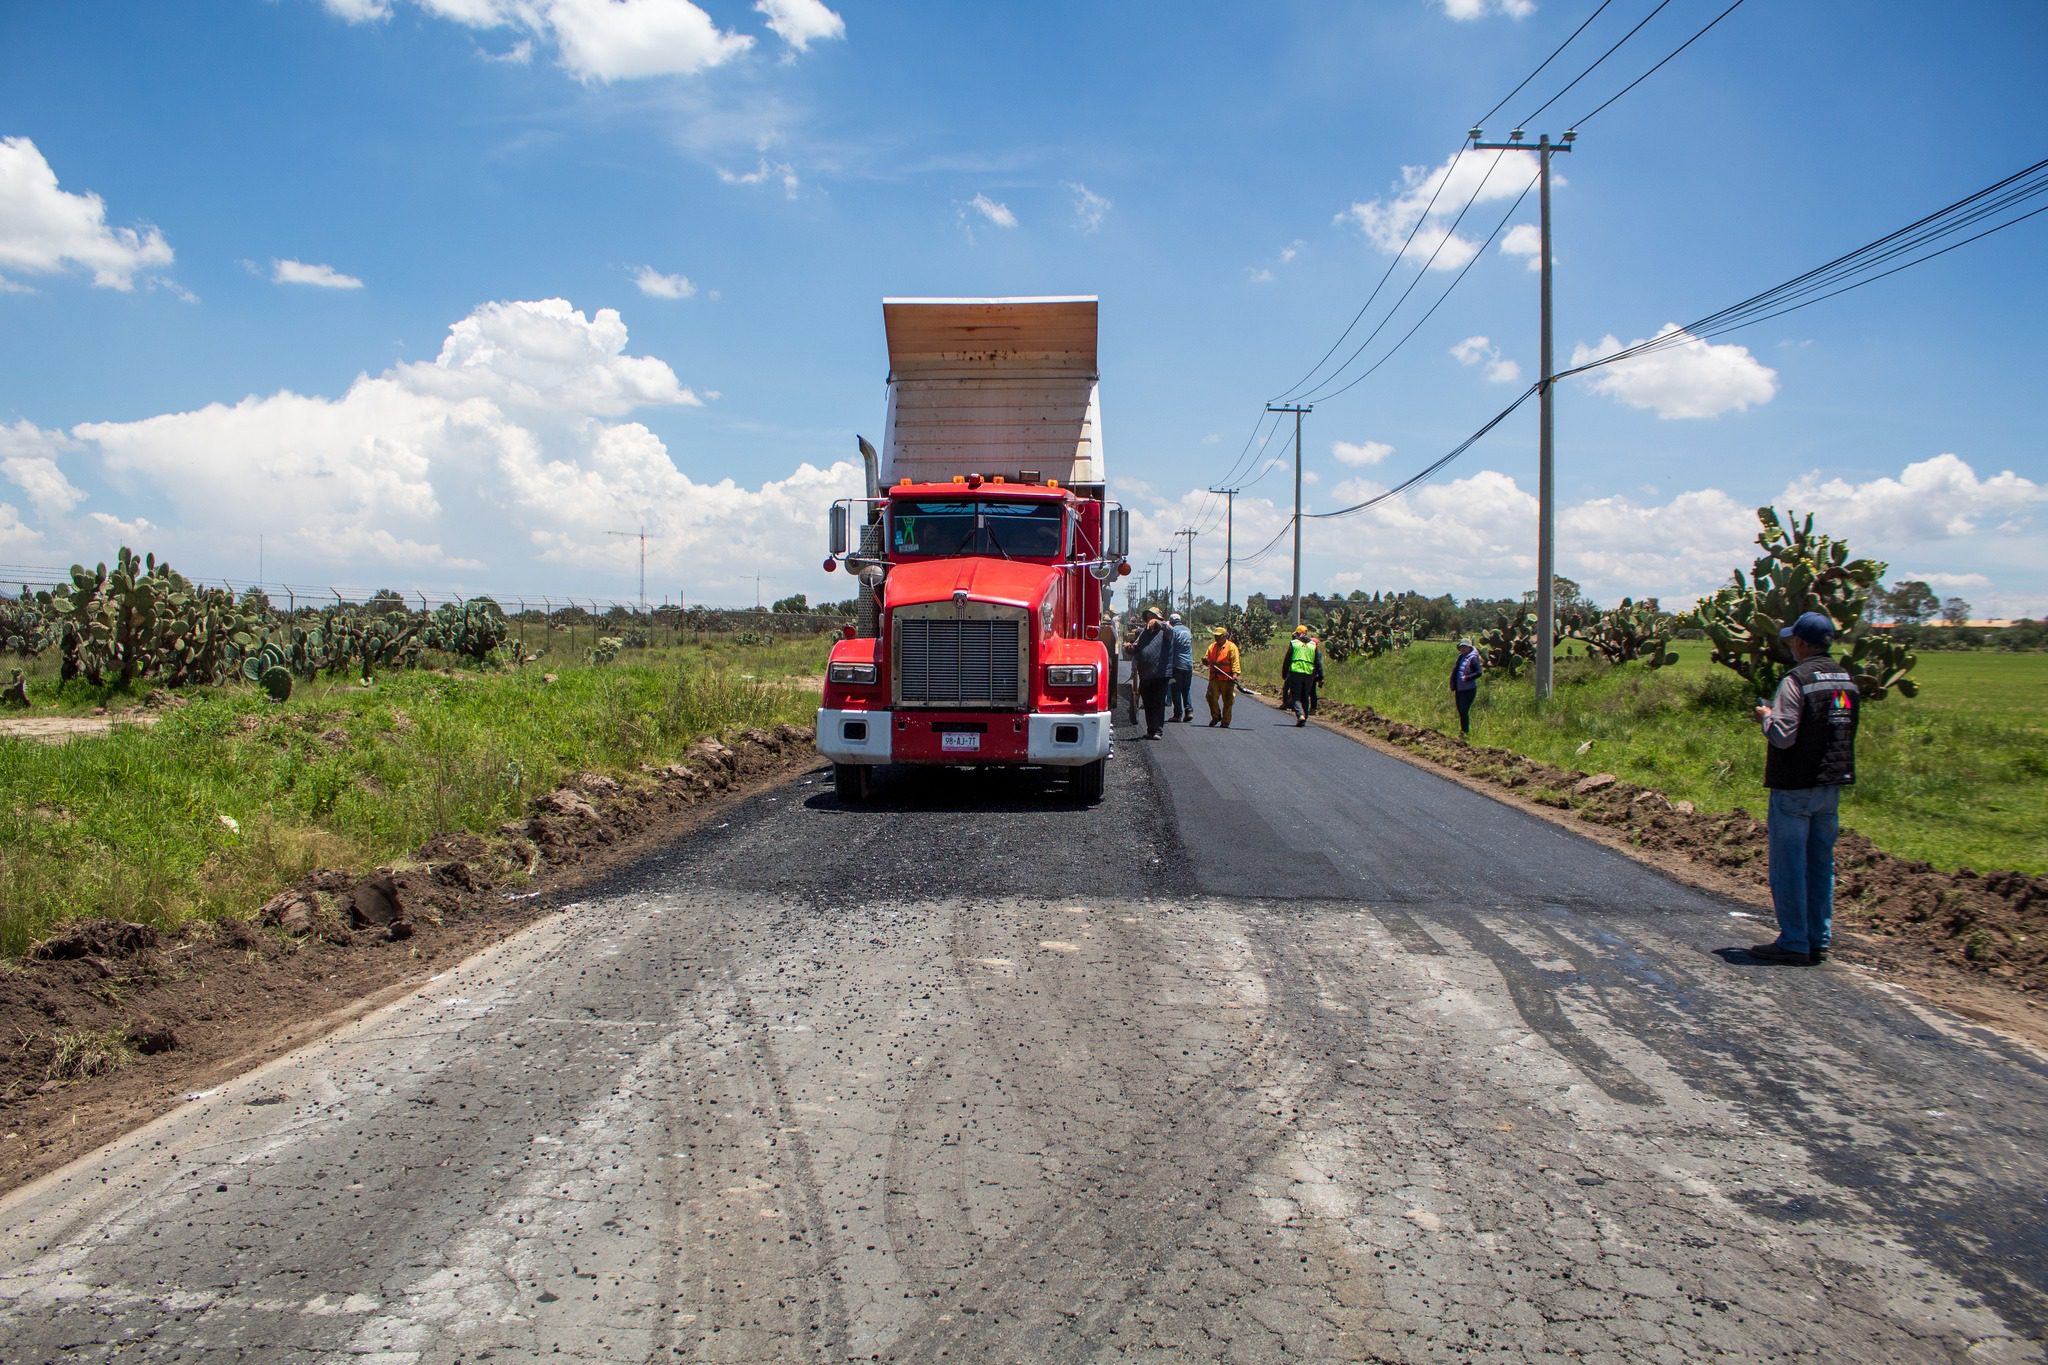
pixel 1286 1051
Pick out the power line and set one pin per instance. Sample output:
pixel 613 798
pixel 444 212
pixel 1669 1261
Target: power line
pixel 1450 234
pixel 1423 217
pixel 1660 65
pixel 1483 118
pixel 1322 396
pixel 1532 115
pixel 2013 189
pixel 1776 301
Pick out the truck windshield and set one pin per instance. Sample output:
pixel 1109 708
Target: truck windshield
pixel 1014 530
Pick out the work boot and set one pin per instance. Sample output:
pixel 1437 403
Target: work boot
pixel 1771 952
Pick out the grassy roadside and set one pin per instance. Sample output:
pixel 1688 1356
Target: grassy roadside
pixel 229 797
pixel 1957 776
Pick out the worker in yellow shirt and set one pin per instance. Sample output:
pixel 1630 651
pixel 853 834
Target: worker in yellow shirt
pixel 1222 662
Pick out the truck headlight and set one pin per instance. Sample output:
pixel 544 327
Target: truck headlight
pixel 1070 675
pixel 859 675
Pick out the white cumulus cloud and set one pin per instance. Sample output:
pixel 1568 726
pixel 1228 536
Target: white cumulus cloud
pixel 802 22
pixel 998 214
pixel 1428 200
pixel 1937 499
pixel 1480 351
pixel 1691 379
pixel 1360 452
pixel 605 40
pixel 656 285
pixel 1090 208
pixel 778 171
pixel 319 276
pixel 499 466
pixel 1466 11
pixel 45 230
pixel 1525 240
pixel 615 40
pixel 28 460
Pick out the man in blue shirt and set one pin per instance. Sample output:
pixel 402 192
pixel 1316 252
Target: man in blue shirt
pixel 1183 670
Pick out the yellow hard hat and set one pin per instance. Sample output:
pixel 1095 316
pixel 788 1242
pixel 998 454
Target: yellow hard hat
pixel 1301 630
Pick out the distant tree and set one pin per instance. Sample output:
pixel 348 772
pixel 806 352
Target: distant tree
pixel 1955 610
pixel 795 602
pixel 387 600
pixel 1565 595
pixel 1910 602
pixel 256 600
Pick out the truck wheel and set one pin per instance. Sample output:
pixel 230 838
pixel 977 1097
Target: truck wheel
pixel 1088 782
pixel 850 782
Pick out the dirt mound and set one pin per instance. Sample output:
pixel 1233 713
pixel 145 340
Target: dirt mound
pixel 101 938
pixel 113 1023
pixel 1993 925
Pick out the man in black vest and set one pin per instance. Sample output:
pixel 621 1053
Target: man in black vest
pixel 1811 726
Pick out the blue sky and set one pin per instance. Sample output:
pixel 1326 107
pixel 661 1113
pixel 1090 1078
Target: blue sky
pixel 435 294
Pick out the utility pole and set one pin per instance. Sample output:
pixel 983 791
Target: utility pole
pixel 1229 511
pixel 1188 602
pixel 1169 551
pixel 1546 509
pixel 1297 411
pixel 641 535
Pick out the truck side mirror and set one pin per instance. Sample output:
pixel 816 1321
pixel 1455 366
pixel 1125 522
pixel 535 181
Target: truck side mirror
pixel 835 521
pixel 1118 535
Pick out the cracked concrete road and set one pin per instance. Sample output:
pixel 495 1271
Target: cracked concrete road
pixel 1287 1052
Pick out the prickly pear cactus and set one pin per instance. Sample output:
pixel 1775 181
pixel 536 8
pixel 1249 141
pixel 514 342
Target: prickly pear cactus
pixel 1365 630
pixel 1632 631
pixel 142 619
pixel 474 629
pixel 1510 642
pixel 1802 571
pixel 22 630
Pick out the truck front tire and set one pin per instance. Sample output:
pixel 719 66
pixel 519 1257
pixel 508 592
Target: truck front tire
pixel 1088 782
pixel 850 782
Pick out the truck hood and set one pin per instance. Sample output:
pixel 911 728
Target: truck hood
pixel 1017 582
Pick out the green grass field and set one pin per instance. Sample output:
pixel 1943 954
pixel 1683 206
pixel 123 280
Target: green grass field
pixel 230 798
pixel 1957 776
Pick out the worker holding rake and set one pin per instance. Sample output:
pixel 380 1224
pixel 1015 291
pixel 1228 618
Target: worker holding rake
pixel 1222 662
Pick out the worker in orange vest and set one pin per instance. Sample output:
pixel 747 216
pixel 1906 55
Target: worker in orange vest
pixel 1222 661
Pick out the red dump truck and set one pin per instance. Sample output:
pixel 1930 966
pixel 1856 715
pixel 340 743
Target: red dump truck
pixel 984 549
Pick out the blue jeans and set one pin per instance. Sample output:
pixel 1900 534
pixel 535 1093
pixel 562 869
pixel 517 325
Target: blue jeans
pixel 1182 695
pixel 1803 825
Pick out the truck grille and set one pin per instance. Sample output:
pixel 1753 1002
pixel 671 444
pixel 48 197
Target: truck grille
pixel 944 661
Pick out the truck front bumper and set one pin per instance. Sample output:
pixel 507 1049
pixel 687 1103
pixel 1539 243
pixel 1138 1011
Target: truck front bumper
pixel 964 738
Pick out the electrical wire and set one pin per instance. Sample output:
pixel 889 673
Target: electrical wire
pixel 1428 208
pixel 1655 69
pixel 1530 117
pixel 1450 235
pixel 1480 122
pixel 1364 375
pixel 1385 275
pixel 1820 283
pixel 1430 470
